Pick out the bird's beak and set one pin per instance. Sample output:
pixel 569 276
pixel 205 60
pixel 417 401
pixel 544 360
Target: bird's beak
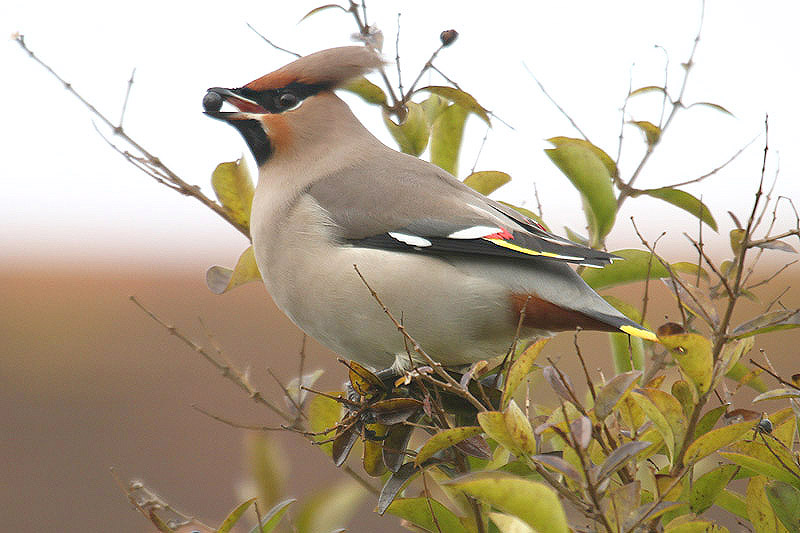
pixel 216 96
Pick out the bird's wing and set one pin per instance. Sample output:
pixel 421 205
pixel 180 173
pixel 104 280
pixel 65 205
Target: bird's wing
pixel 415 206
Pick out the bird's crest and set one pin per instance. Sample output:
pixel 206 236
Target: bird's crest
pixel 327 68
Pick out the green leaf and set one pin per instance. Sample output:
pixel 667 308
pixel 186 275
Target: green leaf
pixel 613 392
pixel 685 201
pixel 685 394
pixel 534 503
pixel 235 515
pixel 447 134
pixel 715 439
pixel 652 133
pixel 635 267
pixel 273 517
pixel 736 237
pixel 519 429
pixel 712 106
pixel 785 501
pixel 707 488
pixel 433 107
pixel 692 352
pixel 321 8
pixel 761 467
pixel 696 526
pixel 774 321
pixel 234 189
pixel 733 352
pixel 323 415
pixel 777 245
pixel 418 512
pixel 330 508
pixel 367 90
pixel 510 524
pixel 649 88
pixel 522 366
pixel 590 170
pixel 462 98
pixel 739 372
pixel 412 134
pixel 627 352
pixel 733 503
pixel 511 429
pixel 777 394
pixel 709 420
pixel 268 467
pixel 758 508
pixel 221 280
pixel 574 236
pixel 445 439
pixel 666 413
pixel 487 181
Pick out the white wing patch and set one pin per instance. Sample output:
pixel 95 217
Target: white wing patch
pixel 411 240
pixel 475 232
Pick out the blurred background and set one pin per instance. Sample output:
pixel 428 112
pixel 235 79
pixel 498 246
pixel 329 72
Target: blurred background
pixel 88 381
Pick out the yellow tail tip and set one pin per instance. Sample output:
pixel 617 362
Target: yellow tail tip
pixel 640 332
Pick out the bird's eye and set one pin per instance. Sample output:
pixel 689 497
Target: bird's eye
pixel 287 100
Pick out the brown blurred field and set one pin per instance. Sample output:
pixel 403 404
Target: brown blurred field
pixel 87 381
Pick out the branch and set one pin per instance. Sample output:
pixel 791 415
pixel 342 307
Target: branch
pixel 437 367
pixel 155 168
pixel 227 371
pixel 566 115
pixel 676 105
pixel 273 45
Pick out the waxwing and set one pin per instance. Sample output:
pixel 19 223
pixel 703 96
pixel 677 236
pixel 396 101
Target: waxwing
pixel 455 266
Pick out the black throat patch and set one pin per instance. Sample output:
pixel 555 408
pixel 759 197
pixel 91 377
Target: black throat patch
pixel 256 138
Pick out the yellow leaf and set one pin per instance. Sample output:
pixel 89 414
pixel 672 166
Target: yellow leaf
pixel 220 279
pixel 234 189
pixel 692 352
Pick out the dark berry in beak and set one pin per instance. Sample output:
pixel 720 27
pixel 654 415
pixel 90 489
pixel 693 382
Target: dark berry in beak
pixel 212 102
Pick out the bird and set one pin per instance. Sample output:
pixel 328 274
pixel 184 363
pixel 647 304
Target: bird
pixel 456 267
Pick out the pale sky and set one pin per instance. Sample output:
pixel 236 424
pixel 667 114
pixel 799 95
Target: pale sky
pixel 66 197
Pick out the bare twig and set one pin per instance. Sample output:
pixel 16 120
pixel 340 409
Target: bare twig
pixel 622 123
pixel 717 169
pixel 552 100
pixel 589 382
pixel 480 149
pixel 454 386
pixel 776 299
pixel 273 45
pixel 286 393
pixel 710 263
pixel 773 276
pixel 676 105
pixel 233 424
pixel 666 265
pixel 396 54
pixel 720 331
pixel 125 102
pixel 363 29
pixel 227 371
pixel 153 165
pixel 538 203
